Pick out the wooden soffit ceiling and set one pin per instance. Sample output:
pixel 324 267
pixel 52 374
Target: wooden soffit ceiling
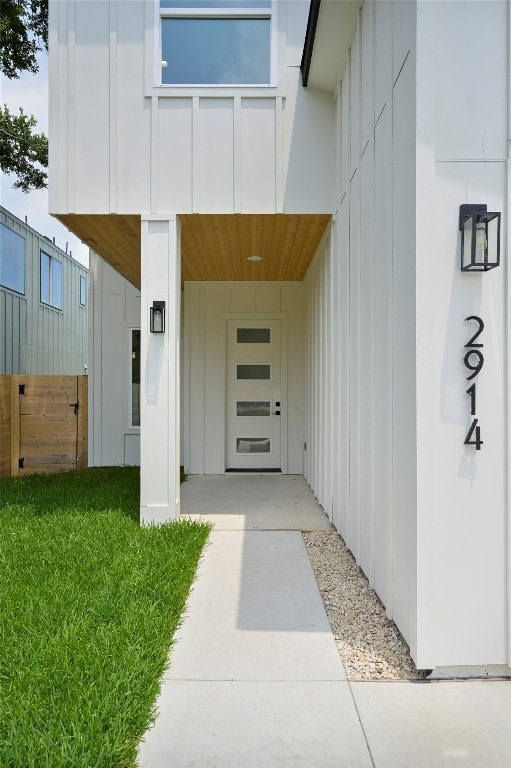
pixel 213 246
pixel 116 238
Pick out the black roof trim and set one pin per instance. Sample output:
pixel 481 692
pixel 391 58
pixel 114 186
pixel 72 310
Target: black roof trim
pixel 308 45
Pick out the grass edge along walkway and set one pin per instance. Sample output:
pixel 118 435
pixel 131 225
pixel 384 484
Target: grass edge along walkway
pixel 89 604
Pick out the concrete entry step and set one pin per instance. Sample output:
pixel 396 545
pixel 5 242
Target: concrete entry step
pixel 253 502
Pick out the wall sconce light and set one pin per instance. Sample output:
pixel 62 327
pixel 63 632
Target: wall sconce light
pixel 157 317
pixel 480 238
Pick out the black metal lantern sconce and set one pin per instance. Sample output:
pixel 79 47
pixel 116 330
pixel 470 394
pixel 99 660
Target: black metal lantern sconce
pixel 157 317
pixel 480 238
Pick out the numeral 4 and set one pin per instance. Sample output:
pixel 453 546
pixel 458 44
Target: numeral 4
pixel 474 428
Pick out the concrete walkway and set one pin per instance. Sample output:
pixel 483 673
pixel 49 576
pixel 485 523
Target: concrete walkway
pixel 255 680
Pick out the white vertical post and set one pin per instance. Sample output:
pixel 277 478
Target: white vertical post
pixel 159 371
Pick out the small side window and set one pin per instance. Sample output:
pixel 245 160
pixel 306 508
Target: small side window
pixel 83 290
pixel 135 378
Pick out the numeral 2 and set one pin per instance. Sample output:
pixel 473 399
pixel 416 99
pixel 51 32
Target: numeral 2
pixel 472 340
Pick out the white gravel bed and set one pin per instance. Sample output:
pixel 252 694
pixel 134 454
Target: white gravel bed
pixel 370 645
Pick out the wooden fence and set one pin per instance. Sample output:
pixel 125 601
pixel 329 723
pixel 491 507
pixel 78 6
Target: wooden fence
pixel 43 424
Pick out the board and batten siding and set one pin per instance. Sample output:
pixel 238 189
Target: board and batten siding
pixel 207 307
pixel 36 338
pixel 271 145
pixel 114 311
pixel 426 517
pixel 360 316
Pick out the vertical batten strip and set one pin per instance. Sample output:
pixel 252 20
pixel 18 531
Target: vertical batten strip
pixel 341 421
pixel 113 108
pixel 195 154
pixel 237 161
pixel 317 363
pixel 149 40
pixel 71 113
pixel 187 378
pixel 507 249
pixel 155 153
pixel 324 380
pixel 390 400
pixel 306 375
pixel 55 114
pixel 325 338
pixel 279 156
pixel 333 448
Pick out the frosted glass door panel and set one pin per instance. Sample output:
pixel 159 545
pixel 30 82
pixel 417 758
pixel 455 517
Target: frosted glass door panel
pixel 253 408
pixel 253 372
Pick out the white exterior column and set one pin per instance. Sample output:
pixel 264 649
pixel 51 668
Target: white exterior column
pixel 159 371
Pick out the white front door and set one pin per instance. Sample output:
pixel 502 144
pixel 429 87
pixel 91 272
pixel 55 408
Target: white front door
pixel 254 398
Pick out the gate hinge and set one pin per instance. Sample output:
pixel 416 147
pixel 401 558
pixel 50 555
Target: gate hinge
pixel 21 389
pixel 21 462
pixel 305 446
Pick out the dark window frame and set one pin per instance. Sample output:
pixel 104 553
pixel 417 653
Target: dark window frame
pixel 83 281
pixel 52 260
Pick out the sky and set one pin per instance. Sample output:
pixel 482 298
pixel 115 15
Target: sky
pixel 31 93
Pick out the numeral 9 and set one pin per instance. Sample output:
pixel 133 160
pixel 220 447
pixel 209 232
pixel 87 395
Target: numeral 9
pixel 470 365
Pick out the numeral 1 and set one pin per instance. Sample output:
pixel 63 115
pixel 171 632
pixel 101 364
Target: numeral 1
pixel 477 442
pixel 471 391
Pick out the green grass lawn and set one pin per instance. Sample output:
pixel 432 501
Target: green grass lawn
pixel 89 602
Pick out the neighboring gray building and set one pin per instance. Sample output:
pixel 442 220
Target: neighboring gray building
pixel 43 303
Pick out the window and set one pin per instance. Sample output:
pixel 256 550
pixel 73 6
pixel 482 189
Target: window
pixel 12 260
pixel 135 378
pixel 253 408
pixel 253 445
pixel 253 372
pixel 216 42
pixel 83 290
pixel 253 335
pixel 51 280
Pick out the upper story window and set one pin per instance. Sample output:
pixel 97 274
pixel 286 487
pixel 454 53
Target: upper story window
pixel 83 290
pixel 51 280
pixel 216 42
pixel 12 260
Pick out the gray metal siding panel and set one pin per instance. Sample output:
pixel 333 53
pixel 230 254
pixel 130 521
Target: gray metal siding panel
pixel 36 338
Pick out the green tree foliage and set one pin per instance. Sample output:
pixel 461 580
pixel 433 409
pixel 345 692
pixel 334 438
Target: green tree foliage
pixel 23 152
pixel 23 34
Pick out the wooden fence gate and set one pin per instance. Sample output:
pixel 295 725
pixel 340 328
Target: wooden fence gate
pixel 48 423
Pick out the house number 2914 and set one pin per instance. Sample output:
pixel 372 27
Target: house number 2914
pixel 474 361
